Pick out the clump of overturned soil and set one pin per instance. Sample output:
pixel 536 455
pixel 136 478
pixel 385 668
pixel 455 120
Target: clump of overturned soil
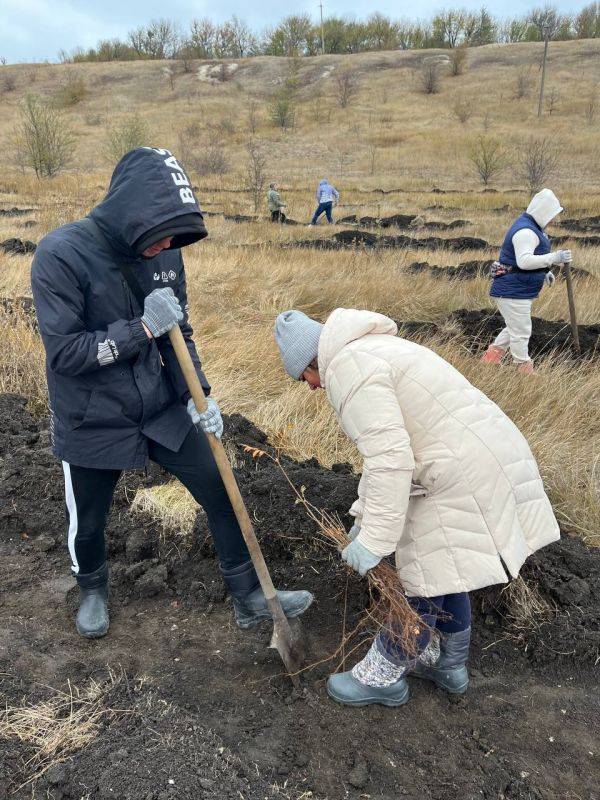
pixel 15 212
pixel 478 268
pixel 358 238
pixel 19 247
pixel 402 221
pixel 480 327
pixel 205 705
pixel 583 225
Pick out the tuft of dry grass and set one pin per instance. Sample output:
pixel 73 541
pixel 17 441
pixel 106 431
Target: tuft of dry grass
pixel 60 725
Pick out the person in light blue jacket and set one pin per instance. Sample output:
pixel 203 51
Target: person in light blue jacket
pixel 327 195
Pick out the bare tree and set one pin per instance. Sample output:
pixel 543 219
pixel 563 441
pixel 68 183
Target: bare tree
pixel 488 157
pixel 282 108
pixel 346 86
pixel 160 39
pixel 372 157
pixel 252 115
pixel 42 139
pixel 552 101
pixel 523 82
pixel 429 76
pixel 538 161
pixel 255 178
pixel 458 58
pixel 591 106
pixel 462 109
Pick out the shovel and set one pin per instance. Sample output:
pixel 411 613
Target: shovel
pixel 286 639
pixel 572 314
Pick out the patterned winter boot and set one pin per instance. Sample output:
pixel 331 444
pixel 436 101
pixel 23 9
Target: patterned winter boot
pixel 444 661
pixel 493 355
pixel 375 679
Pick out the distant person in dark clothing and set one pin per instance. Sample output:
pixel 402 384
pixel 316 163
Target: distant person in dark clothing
pixel 327 195
pixel 275 204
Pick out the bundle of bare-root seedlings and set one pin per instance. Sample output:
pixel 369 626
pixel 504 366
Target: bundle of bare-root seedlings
pixel 388 608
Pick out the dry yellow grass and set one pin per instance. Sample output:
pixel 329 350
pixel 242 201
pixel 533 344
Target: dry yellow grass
pixel 241 277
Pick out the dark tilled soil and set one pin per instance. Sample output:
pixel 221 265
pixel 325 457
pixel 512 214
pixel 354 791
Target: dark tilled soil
pixel 478 268
pixel 18 246
pixel 358 238
pixel 402 221
pixel 205 706
pixel 480 327
pixel 584 225
pixel 15 212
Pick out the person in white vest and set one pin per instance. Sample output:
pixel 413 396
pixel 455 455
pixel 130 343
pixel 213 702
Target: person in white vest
pixel 414 418
pixel 522 268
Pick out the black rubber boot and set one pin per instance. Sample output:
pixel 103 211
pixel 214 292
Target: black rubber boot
pixel 92 618
pixel 249 603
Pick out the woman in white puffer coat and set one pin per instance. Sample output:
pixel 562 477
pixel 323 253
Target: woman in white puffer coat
pixel 414 418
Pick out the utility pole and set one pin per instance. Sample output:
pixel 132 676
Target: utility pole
pixel 546 39
pixel 322 34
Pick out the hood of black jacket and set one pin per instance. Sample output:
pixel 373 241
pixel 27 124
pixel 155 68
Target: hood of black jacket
pixel 148 189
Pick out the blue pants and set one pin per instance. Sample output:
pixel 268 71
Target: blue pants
pixel 323 208
pixel 449 613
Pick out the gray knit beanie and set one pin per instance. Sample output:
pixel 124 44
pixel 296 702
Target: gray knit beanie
pixel 297 337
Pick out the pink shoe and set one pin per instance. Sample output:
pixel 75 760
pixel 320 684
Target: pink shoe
pixel 526 367
pixel 493 355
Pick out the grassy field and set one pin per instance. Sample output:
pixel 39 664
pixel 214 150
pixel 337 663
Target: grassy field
pixel 391 137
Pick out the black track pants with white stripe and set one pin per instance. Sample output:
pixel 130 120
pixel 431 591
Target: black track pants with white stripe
pixel 89 494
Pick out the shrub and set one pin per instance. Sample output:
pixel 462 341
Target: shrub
pixel 489 158
pixel 212 161
pixel 346 86
pixel 458 57
pixel 538 161
pixel 42 139
pixel 462 109
pixel 124 136
pixel 429 77
pixel 523 82
pixel 282 109
pixel 8 83
pixel 70 93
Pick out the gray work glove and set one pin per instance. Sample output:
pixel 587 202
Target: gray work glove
pixel 353 532
pixel 359 558
pixel 550 278
pixel 161 311
pixel 210 421
pixel 562 257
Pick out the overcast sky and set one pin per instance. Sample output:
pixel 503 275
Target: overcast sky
pixel 34 30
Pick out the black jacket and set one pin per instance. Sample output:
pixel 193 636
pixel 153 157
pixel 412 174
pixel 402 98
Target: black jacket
pixel 110 386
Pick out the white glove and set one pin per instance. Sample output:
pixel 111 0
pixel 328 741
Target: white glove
pixel 562 257
pixel 550 278
pixel 353 532
pixel 210 421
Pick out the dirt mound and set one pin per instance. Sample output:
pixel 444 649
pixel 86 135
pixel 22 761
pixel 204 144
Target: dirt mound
pixel 467 270
pixel 20 305
pixel 481 327
pixel 15 212
pixel 464 271
pixel 18 246
pixel 585 224
pixel 402 221
pixel 204 704
pixel 582 241
pixel 358 238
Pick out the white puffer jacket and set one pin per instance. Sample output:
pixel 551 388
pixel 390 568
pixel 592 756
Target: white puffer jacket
pixel 413 416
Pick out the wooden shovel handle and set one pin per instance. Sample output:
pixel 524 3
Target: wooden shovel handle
pixel 220 456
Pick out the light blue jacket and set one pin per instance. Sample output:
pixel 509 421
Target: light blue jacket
pixel 326 193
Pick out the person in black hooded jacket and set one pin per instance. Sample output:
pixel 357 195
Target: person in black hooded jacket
pixel 117 396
